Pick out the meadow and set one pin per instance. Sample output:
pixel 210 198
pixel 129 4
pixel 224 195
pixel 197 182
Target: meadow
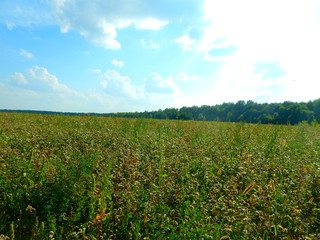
pixel 71 177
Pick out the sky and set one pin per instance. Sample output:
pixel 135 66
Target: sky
pixel 141 55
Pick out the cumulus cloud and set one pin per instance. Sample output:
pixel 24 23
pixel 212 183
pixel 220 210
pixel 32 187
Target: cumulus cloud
pixel 115 84
pixel 18 78
pixel 154 83
pixel 160 92
pixel 40 78
pixel 154 92
pixel 25 53
pixel 118 85
pixel 38 89
pixel 117 63
pixel 98 21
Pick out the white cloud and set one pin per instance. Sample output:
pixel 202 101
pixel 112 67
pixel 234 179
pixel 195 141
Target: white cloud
pixel 152 24
pixel 115 84
pixel 154 83
pixel 285 32
pixel 155 91
pixel 25 99
pixel 40 78
pixel 237 81
pixel 98 21
pixel 19 78
pixel 118 85
pixel 117 63
pixel 25 53
pixel 186 42
pixel 149 44
pixel 160 92
pixel 39 90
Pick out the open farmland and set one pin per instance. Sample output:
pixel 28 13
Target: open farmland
pixel 66 177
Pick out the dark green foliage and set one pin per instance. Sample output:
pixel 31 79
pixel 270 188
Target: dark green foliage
pixel 250 112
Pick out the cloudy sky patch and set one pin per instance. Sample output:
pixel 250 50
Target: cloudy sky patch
pixel 124 55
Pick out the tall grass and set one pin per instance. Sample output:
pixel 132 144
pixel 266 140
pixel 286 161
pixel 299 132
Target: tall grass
pixel 65 177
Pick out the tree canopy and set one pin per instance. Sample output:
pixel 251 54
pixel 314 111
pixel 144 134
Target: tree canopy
pixel 242 111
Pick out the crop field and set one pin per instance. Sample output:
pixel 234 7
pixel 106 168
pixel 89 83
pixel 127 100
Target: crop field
pixel 64 177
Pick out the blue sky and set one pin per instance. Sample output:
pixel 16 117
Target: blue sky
pixel 136 55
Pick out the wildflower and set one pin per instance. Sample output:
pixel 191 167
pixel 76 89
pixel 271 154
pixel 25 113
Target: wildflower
pixel 30 209
pixel 100 216
pixel 51 233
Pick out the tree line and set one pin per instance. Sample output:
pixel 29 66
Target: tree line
pixel 243 111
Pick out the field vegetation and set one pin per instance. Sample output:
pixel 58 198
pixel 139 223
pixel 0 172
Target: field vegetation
pixel 82 177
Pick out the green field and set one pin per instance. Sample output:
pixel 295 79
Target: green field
pixel 64 177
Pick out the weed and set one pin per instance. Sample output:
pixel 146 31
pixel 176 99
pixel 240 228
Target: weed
pixel 64 177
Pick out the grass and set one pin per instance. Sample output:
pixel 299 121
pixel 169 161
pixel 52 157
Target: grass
pixel 64 177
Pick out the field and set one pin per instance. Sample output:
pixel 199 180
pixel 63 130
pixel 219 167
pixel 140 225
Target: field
pixel 64 177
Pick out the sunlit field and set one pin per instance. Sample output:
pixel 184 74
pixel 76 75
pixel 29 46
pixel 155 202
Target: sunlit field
pixel 64 177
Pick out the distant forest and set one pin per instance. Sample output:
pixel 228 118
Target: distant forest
pixel 250 112
pixel 242 111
